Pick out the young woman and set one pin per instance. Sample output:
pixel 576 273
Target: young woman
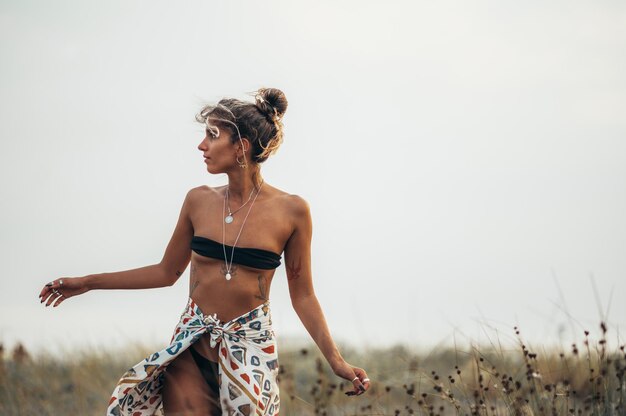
pixel 222 358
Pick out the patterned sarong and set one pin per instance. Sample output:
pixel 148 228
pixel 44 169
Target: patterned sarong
pixel 248 365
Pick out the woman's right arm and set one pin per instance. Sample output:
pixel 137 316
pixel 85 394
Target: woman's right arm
pixel 147 277
pixel 166 273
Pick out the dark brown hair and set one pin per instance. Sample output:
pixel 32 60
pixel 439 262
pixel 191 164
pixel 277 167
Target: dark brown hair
pixel 260 122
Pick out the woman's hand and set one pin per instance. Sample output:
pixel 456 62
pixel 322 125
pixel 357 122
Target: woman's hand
pixel 60 289
pixel 356 375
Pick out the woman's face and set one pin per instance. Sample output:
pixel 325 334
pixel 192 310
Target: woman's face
pixel 216 147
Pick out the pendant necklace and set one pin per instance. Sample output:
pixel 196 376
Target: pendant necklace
pixel 229 266
pixel 229 218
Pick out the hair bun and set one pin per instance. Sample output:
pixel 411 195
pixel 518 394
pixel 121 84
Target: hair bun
pixel 271 101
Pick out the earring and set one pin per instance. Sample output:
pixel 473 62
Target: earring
pixel 242 164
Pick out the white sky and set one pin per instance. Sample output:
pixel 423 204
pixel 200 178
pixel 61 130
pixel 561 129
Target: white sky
pixel 460 158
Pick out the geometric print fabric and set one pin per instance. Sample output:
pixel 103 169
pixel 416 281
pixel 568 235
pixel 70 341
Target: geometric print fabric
pixel 248 365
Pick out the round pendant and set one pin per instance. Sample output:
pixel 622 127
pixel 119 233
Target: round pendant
pixel 228 219
pixel 228 276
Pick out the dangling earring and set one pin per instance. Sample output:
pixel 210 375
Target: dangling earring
pixel 242 164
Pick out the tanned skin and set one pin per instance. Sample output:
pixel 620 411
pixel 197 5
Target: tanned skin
pixel 278 221
pixel 193 279
pixel 263 287
pixel 293 270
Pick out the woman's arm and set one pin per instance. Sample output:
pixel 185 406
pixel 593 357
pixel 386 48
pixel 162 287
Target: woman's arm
pixel 166 273
pixel 304 301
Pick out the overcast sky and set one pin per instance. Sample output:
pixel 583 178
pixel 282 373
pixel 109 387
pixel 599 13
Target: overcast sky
pixel 463 160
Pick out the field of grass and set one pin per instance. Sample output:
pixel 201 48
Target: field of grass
pixel 586 379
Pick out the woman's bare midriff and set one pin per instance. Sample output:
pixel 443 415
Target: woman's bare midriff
pixel 267 227
pixel 212 293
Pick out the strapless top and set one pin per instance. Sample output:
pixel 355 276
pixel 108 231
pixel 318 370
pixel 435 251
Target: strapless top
pixel 246 256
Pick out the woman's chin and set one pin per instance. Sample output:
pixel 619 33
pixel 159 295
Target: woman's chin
pixel 212 170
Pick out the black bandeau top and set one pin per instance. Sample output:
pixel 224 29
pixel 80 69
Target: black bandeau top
pixel 246 256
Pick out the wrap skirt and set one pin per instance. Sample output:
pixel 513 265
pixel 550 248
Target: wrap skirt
pixel 247 365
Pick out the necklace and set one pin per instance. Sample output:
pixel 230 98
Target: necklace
pixel 229 218
pixel 228 276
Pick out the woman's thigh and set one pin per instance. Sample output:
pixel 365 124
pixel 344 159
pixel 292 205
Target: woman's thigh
pixel 185 392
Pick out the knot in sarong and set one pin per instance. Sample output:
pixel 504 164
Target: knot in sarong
pixel 214 328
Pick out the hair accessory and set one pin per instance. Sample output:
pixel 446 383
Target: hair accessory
pixel 236 113
pixel 214 130
pixel 260 100
pixel 229 266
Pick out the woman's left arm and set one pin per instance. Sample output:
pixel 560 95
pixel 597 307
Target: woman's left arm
pixel 298 265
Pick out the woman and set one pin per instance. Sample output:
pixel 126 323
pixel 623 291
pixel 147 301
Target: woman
pixel 222 358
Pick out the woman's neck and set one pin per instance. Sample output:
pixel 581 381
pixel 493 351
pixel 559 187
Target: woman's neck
pixel 242 182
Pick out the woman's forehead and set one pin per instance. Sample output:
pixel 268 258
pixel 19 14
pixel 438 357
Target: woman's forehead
pixel 218 127
pixel 216 120
pixel 212 122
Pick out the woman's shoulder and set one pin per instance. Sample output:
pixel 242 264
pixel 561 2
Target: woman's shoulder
pixel 294 203
pixel 204 190
pixel 198 195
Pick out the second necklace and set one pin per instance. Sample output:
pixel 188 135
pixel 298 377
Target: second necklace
pixel 229 265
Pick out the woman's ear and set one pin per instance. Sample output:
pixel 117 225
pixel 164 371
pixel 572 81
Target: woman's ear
pixel 246 145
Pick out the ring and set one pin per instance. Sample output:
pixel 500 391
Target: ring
pixel 366 380
pixel 61 282
pixel 49 284
pixel 54 291
pixel 355 378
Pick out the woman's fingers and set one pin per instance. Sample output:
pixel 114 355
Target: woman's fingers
pixel 48 299
pixel 365 381
pixel 51 292
pixel 359 380
pixel 46 291
pixel 60 299
pixel 359 388
pixel 56 291
pixel 53 296
pixel 361 384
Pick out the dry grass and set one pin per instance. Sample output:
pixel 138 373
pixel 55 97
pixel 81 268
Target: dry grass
pixel 585 380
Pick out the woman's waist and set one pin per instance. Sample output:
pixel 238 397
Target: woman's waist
pixel 229 299
pixel 254 325
pixel 228 314
pixel 227 302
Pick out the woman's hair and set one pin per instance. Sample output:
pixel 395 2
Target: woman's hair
pixel 260 122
